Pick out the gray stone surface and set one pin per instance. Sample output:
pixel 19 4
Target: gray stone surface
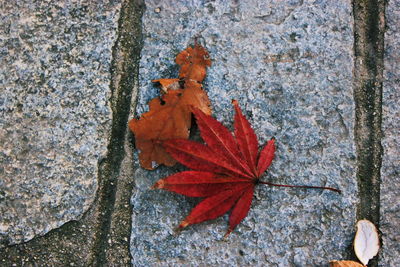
pixel 55 116
pixel 390 172
pixel 290 66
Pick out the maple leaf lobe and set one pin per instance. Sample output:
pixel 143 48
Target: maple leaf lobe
pixel 246 138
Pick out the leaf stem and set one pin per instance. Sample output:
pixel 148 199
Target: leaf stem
pixel 302 186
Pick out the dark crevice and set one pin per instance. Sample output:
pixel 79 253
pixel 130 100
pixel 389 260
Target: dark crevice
pixel 369 25
pixel 124 77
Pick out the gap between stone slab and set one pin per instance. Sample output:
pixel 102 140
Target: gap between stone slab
pixel 124 77
pixel 123 82
pixel 369 26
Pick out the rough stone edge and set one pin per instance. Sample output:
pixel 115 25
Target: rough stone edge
pixel 390 220
pixel 124 81
pixel 369 27
pixel 84 242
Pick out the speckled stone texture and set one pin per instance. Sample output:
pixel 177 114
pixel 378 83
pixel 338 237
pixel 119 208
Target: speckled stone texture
pixel 55 116
pixel 390 172
pixel 289 64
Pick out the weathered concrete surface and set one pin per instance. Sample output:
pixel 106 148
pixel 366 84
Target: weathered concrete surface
pixel 101 236
pixel 290 65
pixel 55 115
pixel 390 173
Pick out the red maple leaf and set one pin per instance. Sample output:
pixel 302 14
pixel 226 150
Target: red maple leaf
pixel 224 172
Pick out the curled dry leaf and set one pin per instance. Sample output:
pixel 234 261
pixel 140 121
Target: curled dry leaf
pixel 169 116
pixel 345 264
pixel 168 84
pixel 366 242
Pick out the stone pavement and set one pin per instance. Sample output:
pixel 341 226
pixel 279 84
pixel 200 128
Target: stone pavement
pixel 320 76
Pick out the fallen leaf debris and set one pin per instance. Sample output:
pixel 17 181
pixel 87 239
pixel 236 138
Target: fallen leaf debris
pixel 224 171
pixel 169 116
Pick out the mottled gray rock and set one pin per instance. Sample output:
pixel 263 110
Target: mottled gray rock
pixel 390 173
pixel 290 65
pixel 55 116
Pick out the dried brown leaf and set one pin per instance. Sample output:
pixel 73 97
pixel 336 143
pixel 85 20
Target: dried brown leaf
pixel 345 264
pixel 169 116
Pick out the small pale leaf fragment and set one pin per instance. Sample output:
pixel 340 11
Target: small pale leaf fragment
pixel 345 264
pixel 366 242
